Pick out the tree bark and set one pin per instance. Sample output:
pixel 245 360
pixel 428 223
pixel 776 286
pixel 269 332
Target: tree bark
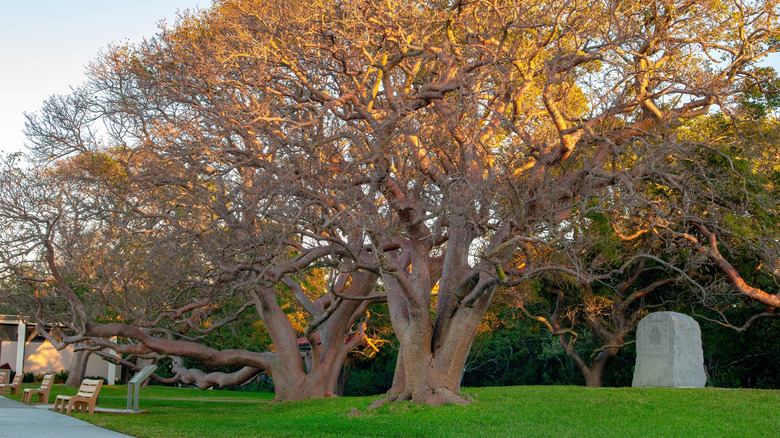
pixel 78 368
pixel 594 374
pixel 399 376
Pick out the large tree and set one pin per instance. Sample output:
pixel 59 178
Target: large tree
pixel 445 148
pixel 480 131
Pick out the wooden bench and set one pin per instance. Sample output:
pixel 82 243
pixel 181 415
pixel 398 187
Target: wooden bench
pixel 14 386
pixel 86 398
pixel 4 376
pixel 43 391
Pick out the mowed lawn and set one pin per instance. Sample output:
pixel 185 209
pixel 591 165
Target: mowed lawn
pixel 526 411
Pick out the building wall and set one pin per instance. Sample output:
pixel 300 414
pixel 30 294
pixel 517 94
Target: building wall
pixel 42 358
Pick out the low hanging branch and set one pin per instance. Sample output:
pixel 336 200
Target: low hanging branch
pixel 724 321
pixel 713 253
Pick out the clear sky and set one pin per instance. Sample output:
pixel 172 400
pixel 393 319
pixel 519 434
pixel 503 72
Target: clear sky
pixel 45 46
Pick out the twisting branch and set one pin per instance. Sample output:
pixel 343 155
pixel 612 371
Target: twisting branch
pixel 713 253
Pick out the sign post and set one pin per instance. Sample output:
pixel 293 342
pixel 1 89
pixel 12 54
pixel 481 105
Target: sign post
pixel 135 385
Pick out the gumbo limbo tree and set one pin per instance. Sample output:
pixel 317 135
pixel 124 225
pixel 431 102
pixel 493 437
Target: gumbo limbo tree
pixel 144 287
pixel 480 134
pixel 610 312
pixel 442 148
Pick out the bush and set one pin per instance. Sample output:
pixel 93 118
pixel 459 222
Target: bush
pixel 97 378
pixel 519 355
pixel 262 383
pixel 61 377
pixel 742 360
pixel 370 376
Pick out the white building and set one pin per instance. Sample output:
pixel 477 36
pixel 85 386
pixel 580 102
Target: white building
pixel 38 356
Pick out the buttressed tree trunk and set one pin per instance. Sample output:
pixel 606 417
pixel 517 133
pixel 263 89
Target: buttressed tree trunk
pixel 431 358
pixel 435 340
pixel 329 334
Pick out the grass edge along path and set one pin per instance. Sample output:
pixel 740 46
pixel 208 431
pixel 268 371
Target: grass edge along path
pixel 524 411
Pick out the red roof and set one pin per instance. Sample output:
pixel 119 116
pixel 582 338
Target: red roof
pixel 303 341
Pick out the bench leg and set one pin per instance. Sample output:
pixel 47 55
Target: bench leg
pixel 59 404
pixel 27 397
pixel 79 406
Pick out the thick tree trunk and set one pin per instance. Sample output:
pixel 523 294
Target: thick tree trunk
pixel 285 365
pixel 593 377
pixel 594 372
pixel 429 372
pixel 319 382
pixel 430 377
pixel 435 379
pixel 399 376
pixel 326 360
pixel 78 368
pixel 287 370
pixel 342 381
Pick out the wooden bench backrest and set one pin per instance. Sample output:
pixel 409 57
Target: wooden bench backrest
pixel 17 379
pixel 89 387
pixel 46 383
pixel 4 376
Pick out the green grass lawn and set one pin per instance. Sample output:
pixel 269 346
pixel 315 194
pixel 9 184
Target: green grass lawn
pixel 532 411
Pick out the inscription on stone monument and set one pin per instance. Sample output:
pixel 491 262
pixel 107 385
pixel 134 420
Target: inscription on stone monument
pixel 655 337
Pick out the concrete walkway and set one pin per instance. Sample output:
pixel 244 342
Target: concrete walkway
pixel 22 420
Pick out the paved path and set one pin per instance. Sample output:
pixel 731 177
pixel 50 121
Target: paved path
pixel 22 420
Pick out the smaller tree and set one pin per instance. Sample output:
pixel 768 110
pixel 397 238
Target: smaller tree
pixel 610 311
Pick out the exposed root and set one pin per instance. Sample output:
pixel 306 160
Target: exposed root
pixel 437 397
pixel 443 396
pixel 404 396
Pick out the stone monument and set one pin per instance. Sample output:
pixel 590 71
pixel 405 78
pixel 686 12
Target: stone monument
pixel 668 352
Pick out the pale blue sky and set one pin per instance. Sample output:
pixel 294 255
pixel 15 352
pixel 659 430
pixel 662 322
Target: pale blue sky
pixel 45 46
